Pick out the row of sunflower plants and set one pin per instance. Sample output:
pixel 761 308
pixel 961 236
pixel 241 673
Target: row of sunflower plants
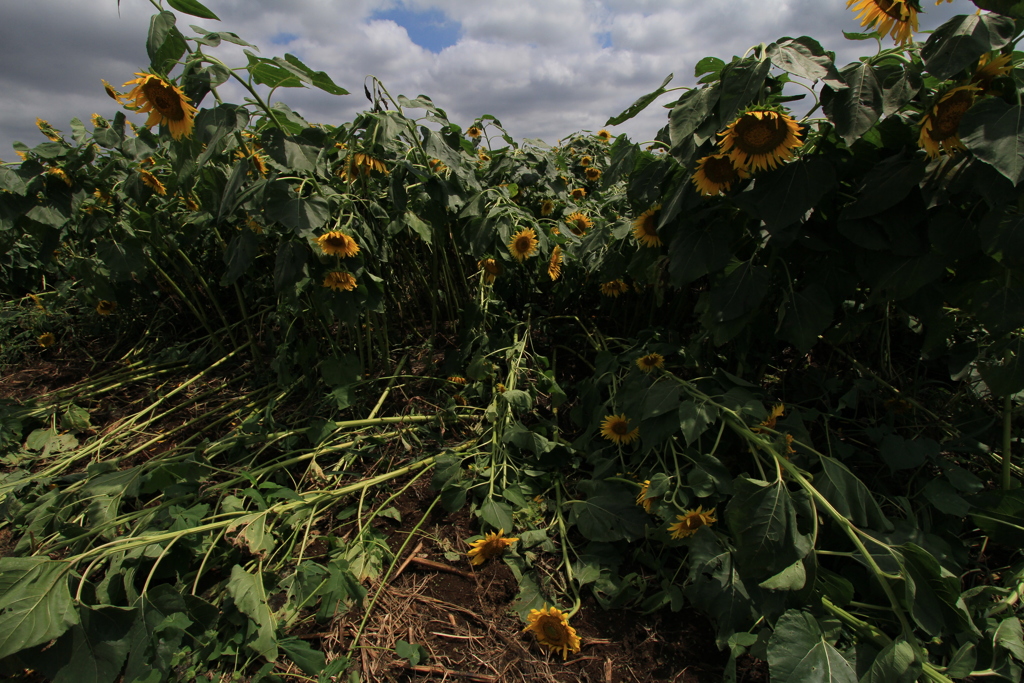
pixel 670 293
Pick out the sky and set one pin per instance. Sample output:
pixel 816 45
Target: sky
pixel 545 68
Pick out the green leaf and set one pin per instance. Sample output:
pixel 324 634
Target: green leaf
pixel 772 527
pixel 497 514
pixel 886 185
pixel 241 252
pixel 12 182
pixel 715 587
pixel 290 264
pixel 301 214
pixel 1002 237
pixel 414 652
pixel 165 44
pixel 694 419
pixel 799 653
pixel 341 371
pixel 708 65
pixel 662 397
pixel 901 454
pixel 855 109
pixel 1013 8
pixel 528 440
pixel 194 8
pixel 75 418
pixel 738 293
pixel 741 83
pixel 849 496
pixel 998 307
pixel 944 497
pixel 35 602
pixel 959 42
pixel 517 399
pixel 1010 636
pixel 896 663
pixel 999 514
pixel 124 259
pixel 302 653
pixel 933 593
pixel 690 112
pixel 639 105
pixel 228 200
pixel 248 594
pixel 1005 376
pixel 95 649
pixel 804 315
pixel 610 514
pixel 786 195
pixel 792 578
pixel 318 79
pixel 252 533
pixel 994 131
pixel 805 57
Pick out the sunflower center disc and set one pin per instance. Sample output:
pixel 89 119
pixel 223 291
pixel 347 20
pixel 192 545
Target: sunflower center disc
pixel 719 171
pixel 165 100
pixel 759 136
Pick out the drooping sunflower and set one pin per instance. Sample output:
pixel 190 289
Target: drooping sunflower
pixel 898 18
pixel 152 181
pixel 60 173
pixel 769 422
pixel 645 227
pixel 483 157
pixel 46 129
pixel 164 102
pixel 579 223
pixel 547 207
pixel 551 627
pixel 616 428
pixel 473 132
pixel 603 135
pixel 716 173
pixel 491 545
pixel 340 281
pixel 105 307
pixel 691 520
pixel 650 361
pixel 437 166
pixel 46 339
pixel 555 264
pixel 259 161
pixel 940 125
pixel 109 89
pixel 338 243
pixel 991 66
pixel 523 244
pixel 579 193
pixel 641 498
pixel 614 288
pixel 586 160
pixel 99 122
pixel 592 173
pixel 491 269
pixel 760 139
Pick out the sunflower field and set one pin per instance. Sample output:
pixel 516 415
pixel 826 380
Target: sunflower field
pixel 767 365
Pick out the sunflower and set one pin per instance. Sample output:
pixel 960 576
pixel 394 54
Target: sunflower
pixel 691 520
pixel 357 164
pixel 592 173
pixel 491 269
pixel 579 193
pixel 603 135
pixel 523 244
pixel 338 243
pixel 769 422
pixel 152 181
pixel 645 227
pixel 483 157
pixel 491 545
pixel 898 18
pixel 579 223
pixel 437 166
pixel 551 626
pixel 259 161
pixel 586 160
pixel 191 204
pixel 457 380
pixel 716 173
pixel 547 207
pixel 60 173
pixel 616 428
pixel 105 307
pixel 46 339
pixel 109 89
pixel 641 498
pixel 555 264
pixel 340 281
pixel 990 68
pixel 166 104
pixel 650 361
pixel 46 129
pixel 614 288
pixel 99 122
pixel 473 132
pixel 760 139
pixel 939 126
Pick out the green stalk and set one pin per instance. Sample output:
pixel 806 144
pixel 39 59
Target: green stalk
pixel 1007 442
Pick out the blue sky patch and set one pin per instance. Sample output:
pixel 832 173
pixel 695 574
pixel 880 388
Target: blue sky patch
pixel 604 39
pixel 283 38
pixel 431 30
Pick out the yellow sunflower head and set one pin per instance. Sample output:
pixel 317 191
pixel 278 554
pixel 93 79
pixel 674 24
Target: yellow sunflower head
pixel 769 422
pixel 47 339
pixel 555 264
pixel 650 361
pixel 46 129
pixel 340 281
pixel 760 139
pixel 483 157
pixel 551 627
pixel 592 173
pixel 337 243
pixel 152 181
pixel 164 102
pixel 99 122
pixel 473 132
pixel 691 520
pixel 603 135
pixel 614 288
pixel 491 545
pixel 491 269
pixel 547 207
pixel 940 125
pixel 898 18
pixel 716 173
pixel 616 429
pixel 991 66
pixel 105 307
pixel 586 160
pixel 645 227
pixel 60 173
pixel 579 193
pixel 641 498
pixel 109 89
pixel 523 244
pixel 579 223
pixel 437 166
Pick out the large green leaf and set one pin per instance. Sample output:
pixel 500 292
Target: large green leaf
pixel 95 649
pixel 805 57
pixel 741 83
pixel 772 527
pixel 641 104
pixel 739 292
pixel 1005 376
pixel 853 110
pixel 994 131
pixel 715 587
pixel 933 593
pixel 896 663
pixel 886 185
pixel 849 496
pixel 799 653
pixel 35 602
pixel 156 635
pixel 1000 514
pixel 240 254
pixel 609 514
pixel 301 214
pixel 786 195
pixel 248 594
pixel 165 44
pixel 193 7
pixel 497 514
pixel 1000 308
pixel 804 315
pixel 959 42
pixel 691 110
pixel 699 250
